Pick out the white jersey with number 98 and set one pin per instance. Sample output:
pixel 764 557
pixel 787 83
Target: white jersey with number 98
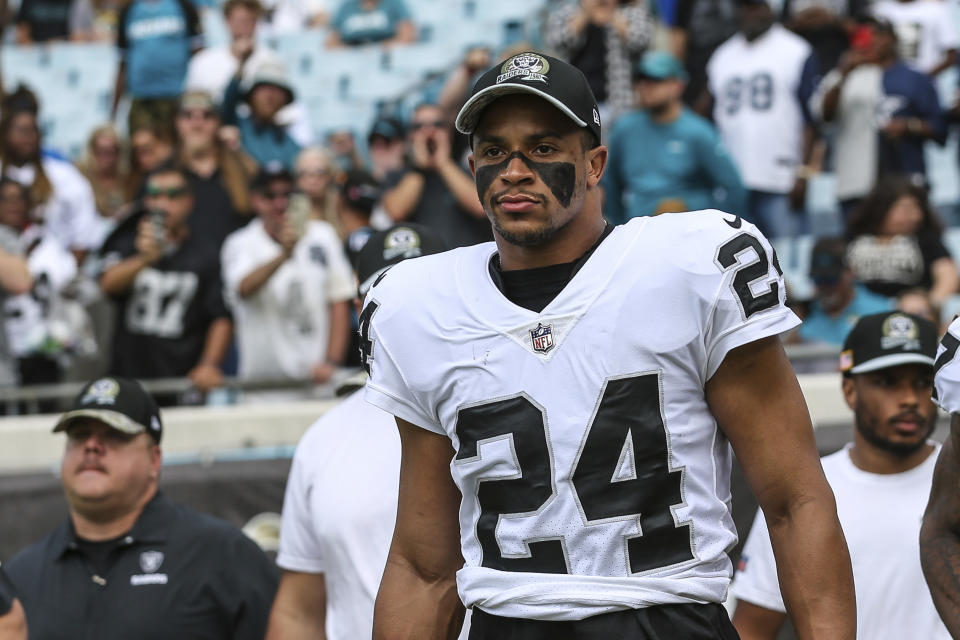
pixel 594 477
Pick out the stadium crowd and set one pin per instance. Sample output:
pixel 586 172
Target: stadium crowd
pixel 207 231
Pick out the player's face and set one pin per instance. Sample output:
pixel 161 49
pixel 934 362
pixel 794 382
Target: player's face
pixel 893 408
pixel 105 471
pixel 530 168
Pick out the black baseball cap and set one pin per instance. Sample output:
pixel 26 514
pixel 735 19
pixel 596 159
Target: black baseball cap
pixel 889 339
pixel 121 403
pixel 390 246
pixel 828 260
pixel 558 82
pixel 361 191
pixel 387 128
pixel 269 173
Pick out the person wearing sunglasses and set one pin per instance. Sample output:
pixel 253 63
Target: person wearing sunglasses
pixel 434 189
pixel 171 318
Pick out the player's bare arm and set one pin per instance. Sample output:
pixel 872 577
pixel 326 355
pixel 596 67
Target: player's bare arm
pixel 418 594
pixel 940 534
pixel 757 402
pixel 754 622
pixel 300 608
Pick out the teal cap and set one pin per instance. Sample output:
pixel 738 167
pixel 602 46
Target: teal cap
pixel 660 65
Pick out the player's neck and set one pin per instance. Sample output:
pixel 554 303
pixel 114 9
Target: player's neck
pixel 871 459
pixel 569 244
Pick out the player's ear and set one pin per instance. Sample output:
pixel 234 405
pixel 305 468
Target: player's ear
pixel 596 165
pixel 849 387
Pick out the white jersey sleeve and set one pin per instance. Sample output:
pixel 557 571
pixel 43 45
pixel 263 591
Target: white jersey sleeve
pixel 300 547
pixel 947 369
pixel 756 578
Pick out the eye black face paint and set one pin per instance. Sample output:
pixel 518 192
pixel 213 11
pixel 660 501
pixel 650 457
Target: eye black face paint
pixel 561 177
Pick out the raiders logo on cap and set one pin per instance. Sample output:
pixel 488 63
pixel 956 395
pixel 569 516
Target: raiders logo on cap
pixel 103 391
pixel 401 241
pixel 529 66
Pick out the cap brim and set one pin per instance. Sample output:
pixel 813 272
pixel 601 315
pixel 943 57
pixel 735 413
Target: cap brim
pixel 893 360
pixel 469 115
pixel 113 419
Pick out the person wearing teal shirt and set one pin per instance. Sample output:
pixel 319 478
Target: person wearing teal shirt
pixel 663 157
pixel 839 302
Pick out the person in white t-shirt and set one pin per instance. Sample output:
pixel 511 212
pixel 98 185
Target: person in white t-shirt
pixel 211 69
pixel 334 537
pixel 881 482
pixel 926 33
pixel 289 284
pixel 760 80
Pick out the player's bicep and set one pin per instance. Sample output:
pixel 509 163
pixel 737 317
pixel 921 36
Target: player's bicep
pixel 758 404
pixel 428 501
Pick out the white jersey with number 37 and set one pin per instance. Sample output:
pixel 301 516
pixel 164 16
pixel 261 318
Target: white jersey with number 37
pixel 594 477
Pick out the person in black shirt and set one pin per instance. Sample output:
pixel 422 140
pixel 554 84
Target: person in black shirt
pixel 13 624
pixel 128 562
pixel 171 317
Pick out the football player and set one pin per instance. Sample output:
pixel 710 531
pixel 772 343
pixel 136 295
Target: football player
pixel 567 397
pixel 940 533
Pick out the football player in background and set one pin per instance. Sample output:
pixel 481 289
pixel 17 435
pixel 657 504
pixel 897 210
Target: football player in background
pixel 571 391
pixel 881 482
pixel 940 534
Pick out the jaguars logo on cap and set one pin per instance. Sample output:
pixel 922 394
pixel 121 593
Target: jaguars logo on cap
pixel 900 331
pixel 103 391
pixel 402 241
pixel 528 66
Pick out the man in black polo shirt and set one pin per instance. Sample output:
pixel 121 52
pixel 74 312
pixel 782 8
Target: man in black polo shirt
pixel 171 317
pixel 13 626
pixel 128 562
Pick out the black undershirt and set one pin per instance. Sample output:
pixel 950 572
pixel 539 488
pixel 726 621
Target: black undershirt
pixel 98 553
pixel 533 289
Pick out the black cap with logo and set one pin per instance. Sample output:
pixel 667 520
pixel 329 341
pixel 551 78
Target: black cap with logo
pixel 828 260
pixel 558 82
pixel 889 339
pixel 384 249
pixel 120 403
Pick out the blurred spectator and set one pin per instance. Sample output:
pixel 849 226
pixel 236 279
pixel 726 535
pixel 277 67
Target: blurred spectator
pixel 761 80
pixel 434 190
pixel 386 22
pixel 385 142
pixel 926 32
pixel 104 166
pixel 315 178
pixel 664 157
pixel 825 24
pixel 211 69
pixel 15 279
pixel 293 16
pixel 602 38
pixel 171 317
pixel 61 196
pixel 47 20
pixel 156 568
pixel 917 302
pixel 895 243
pixel 156 39
pixel 151 147
pixel 457 86
pixel 289 284
pixel 701 26
pixel 44 326
pixel 343 145
pixel 882 112
pixel 359 196
pixel 261 133
pixel 218 175
pixel 839 301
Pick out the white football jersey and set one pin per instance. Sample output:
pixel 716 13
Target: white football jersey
pixel 594 477
pixel 755 87
pixel 946 383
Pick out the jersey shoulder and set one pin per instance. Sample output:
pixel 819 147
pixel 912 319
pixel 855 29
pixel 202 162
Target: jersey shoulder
pixel 695 237
pixel 417 282
pixel 947 370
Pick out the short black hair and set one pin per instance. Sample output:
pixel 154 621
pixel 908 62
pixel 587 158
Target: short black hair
pixel 168 168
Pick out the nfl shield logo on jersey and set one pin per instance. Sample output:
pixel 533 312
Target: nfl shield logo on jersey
pixel 542 338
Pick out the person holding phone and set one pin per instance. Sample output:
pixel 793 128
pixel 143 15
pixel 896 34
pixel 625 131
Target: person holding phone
pixel 434 189
pixel 289 285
